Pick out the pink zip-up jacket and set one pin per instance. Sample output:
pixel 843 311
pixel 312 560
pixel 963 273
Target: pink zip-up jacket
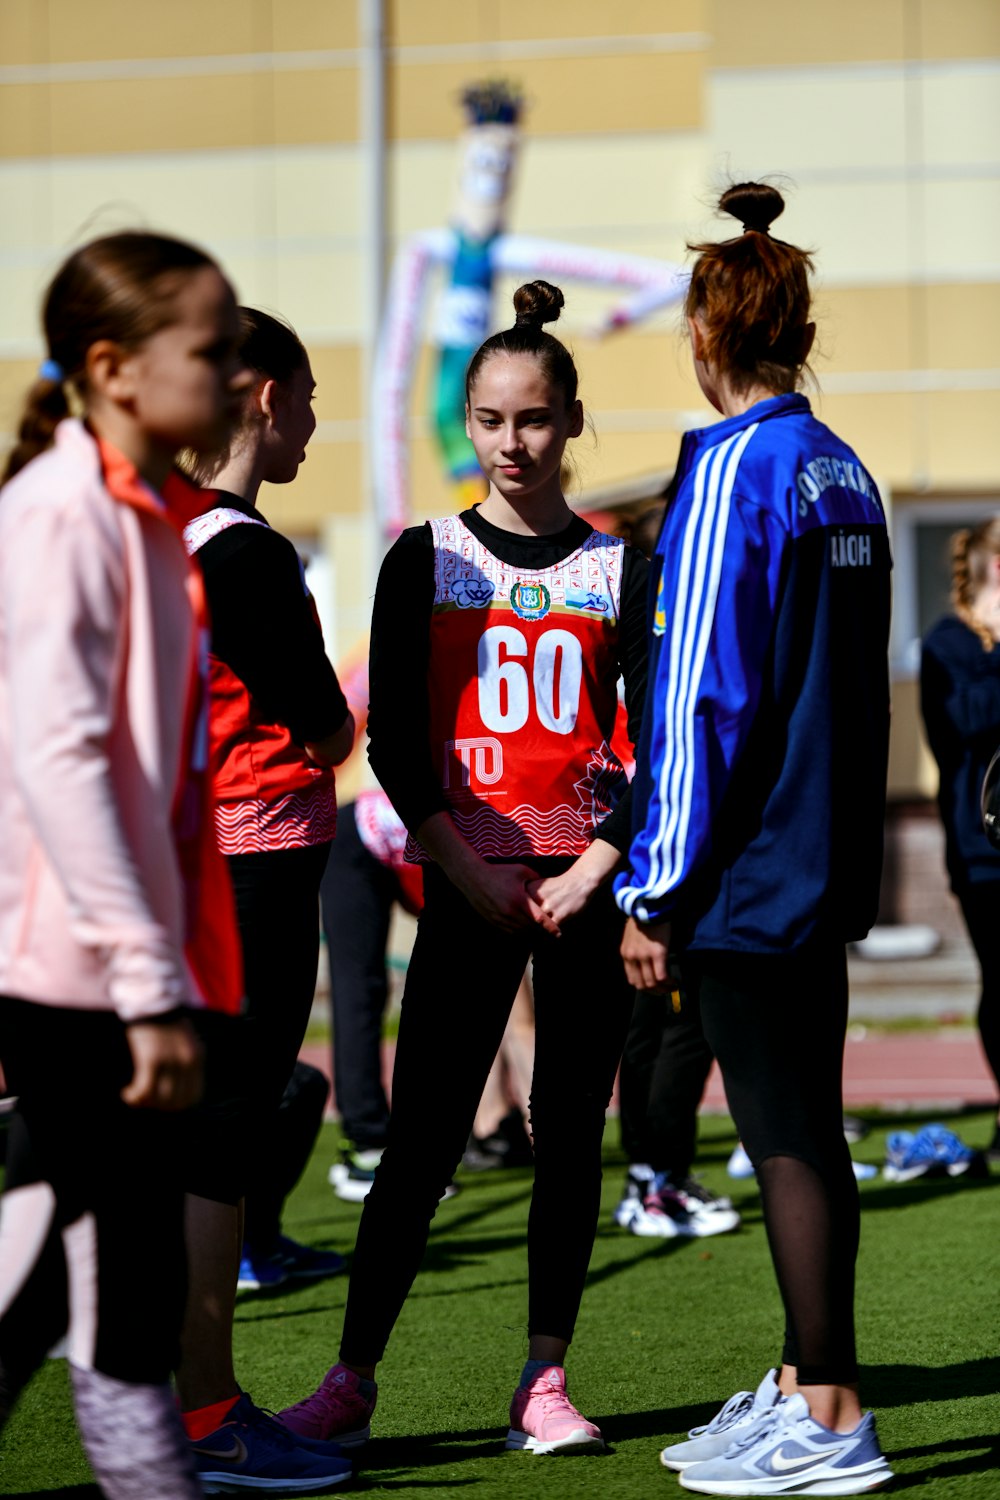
pixel 98 640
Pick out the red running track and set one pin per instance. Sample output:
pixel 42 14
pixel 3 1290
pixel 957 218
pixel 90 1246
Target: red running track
pixel 888 1070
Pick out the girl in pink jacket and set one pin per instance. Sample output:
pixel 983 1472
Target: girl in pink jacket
pixel 116 917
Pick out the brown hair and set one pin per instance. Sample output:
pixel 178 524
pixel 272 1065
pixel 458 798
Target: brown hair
pixel 535 303
pixel 971 550
pixel 752 295
pixel 120 287
pixel 270 347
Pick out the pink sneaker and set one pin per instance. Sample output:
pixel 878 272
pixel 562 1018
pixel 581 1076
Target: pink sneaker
pixel 340 1409
pixel 544 1420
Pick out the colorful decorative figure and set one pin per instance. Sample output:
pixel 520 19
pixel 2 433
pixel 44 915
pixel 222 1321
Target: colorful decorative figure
pixel 489 147
pixel 472 252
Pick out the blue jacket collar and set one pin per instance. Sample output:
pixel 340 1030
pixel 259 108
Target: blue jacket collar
pixel 761 411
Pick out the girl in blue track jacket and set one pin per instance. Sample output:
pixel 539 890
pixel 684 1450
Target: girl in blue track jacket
pixel 759 801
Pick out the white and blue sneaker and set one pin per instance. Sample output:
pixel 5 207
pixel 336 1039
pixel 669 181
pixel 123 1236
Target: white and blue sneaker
pixel 935 1151
pixel 740 1413
pixel 687 1211
pixel 788 1453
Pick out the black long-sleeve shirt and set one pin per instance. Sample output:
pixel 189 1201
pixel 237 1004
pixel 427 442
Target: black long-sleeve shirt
pixel 399 714
pixel 263 626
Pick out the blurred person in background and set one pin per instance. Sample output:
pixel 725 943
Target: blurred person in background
pixel 960 703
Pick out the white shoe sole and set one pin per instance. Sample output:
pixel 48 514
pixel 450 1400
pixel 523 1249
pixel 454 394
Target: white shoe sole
pixel 929 1169
pixel 700 1227
pixel 228 1484
pixel 678 1464
pixel 657 1227
pixel 871 1477
pixel 350 1189
pixel 577 1441
pixel 715 1221
pixel 903 1174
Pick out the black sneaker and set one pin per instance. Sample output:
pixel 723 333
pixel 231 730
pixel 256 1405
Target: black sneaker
pixel 508 1146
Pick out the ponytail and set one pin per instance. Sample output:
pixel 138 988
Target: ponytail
pixel 44 408
pixel 752 296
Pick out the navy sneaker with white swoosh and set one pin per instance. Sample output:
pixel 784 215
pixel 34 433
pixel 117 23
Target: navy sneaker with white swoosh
pixel 788 1453
pixel 252 1451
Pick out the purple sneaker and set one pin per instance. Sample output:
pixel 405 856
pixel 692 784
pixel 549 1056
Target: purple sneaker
pixel 339 1410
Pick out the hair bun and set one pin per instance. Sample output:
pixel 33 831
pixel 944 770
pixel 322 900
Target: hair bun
pixel 755 204
pixel 537 302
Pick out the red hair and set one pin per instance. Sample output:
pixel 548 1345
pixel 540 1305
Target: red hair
pixel 751 295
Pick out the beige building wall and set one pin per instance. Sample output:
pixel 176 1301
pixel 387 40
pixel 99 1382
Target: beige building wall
pixel 238 123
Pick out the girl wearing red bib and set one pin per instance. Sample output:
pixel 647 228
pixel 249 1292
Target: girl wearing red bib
pixel 498 639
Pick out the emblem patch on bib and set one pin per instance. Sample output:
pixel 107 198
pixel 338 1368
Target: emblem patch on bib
pixel 472 593
pixel 530 601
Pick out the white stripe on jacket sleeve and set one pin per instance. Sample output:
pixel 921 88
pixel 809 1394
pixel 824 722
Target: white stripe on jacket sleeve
pixel 693 617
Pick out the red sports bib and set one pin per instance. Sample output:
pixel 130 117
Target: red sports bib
pixel 522 687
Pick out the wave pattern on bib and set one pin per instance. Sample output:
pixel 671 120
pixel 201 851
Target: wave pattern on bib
pixel 255 826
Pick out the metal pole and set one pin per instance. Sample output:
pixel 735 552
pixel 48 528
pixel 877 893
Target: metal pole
pixel 371 19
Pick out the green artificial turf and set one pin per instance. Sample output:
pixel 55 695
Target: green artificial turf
pixel 668 1330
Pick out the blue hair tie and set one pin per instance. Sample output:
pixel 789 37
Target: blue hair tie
pixel 51 369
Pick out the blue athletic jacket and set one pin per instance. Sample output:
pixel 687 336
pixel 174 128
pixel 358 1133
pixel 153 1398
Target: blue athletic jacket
pixel 760 789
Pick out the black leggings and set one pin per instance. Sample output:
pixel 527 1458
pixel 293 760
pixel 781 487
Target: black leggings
pixel 277 907
pixel 93 1189
pixel 777 1026
pixel 461 983
pixel 981 910
pixel 358 894
pixel 664 1067
pixel 285 1154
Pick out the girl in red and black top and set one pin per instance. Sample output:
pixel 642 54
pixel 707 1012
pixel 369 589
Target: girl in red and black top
pixel 279 724
pixel 498 639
